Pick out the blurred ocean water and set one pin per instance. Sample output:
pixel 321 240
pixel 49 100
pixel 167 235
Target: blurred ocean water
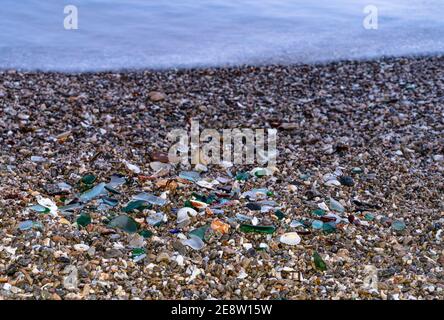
pixel 134 34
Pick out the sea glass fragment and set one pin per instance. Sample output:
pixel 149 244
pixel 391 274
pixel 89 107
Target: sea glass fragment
pixel 207 184
pixel 155 218
pixel 259 172
pixel 398 225
pixel 150 198
pixel 137 252
pixel 83 219
pixel 319 262
pixel 64 187
pixel 188 204
pixel 279 214
pixel 243 217
pixel 194 243
pixel 111 190
pixel 202 198
pixel 88 179
pixel 135 205
pixel 26 225
pixel 346 181
pixel 146 234
pixel 110 201
pixel 319 212
pixel 93 193
pixel 336 206
pixel 124 223
pixel 357 170
pixel 296 223
pixel 71 207
pixel 317 224
pixel 192 176
pixel 242 176
pixel 48 203
pixel 37 159
pixel 38 208
pixel 199 232
pixel 253 206
pixel 116 180
pixel 257 229
pixel 329 227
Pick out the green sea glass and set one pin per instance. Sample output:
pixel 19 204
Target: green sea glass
pixel 257 229
pixel 242 176
pixel 279 214
pixel 88 179
pixel 199 232
pixel 135 205
pixel 319 262
pixel 137 252
pixel 328 227
pixel 124 223
pixel 93 193
pixel 398 225
pixel 146 234
pixel 319 212
pixel 83 220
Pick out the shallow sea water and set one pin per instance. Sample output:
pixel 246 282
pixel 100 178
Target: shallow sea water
pixel 130 34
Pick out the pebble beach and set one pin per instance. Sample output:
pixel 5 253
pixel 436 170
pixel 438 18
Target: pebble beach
pixel 354 208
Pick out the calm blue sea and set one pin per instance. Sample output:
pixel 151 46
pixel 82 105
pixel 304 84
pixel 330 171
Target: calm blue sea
pixel 121 34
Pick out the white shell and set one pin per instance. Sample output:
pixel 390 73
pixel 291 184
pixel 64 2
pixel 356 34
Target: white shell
pixel 179 260
pixel 290 238
pixel 323 206
pixel 81 247
pixel 132 167
pixel 48 203
pixel 207 184
pixel 184 214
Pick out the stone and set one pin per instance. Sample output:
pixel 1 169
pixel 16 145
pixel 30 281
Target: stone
pixel 70 282
pixel 156 96
pixel 163 257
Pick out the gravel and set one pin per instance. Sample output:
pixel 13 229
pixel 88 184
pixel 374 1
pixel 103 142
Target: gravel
pixel 366 137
